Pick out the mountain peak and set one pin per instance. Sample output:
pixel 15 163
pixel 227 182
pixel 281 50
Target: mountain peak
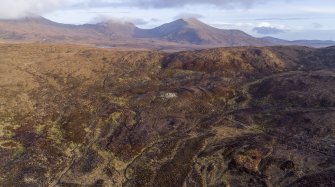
pixel 112 22
pixel 193 31
pixel 32 19
pixel 189 22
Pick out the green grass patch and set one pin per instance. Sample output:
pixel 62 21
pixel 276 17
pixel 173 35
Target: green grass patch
pixel 54 132
pixel 257 128
pixel 19 151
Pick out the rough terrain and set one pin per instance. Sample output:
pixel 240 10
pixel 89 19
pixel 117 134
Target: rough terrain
pixel 79 116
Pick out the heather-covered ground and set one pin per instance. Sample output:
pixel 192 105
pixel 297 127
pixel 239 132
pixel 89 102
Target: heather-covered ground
pixel 80 116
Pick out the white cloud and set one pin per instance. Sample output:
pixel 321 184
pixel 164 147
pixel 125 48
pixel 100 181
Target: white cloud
pixel 11 9
pixel 268 30
pixel 188 15
pixel 169 3
pixel 271 25
pixel 175 3
pixel 120 20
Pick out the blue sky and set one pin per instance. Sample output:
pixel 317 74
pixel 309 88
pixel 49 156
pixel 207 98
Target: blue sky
pixel 287 19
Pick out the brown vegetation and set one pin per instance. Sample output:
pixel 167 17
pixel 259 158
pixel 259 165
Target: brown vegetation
pixel 80 116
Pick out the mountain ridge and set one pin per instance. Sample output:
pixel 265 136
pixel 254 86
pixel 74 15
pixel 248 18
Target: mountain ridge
pixel 196 32
pixel 181 34
pixel 311 43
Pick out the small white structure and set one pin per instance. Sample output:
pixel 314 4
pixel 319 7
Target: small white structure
pixel 168 95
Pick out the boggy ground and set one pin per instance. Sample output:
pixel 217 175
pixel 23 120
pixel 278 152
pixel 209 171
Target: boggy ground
pixel 79 116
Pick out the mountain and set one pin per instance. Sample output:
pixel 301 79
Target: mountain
pixel 182 34
pixel 311 43
pixel 247 116
pixel 189 32
pixel 195 32
pixel 113 29
pixel 41 29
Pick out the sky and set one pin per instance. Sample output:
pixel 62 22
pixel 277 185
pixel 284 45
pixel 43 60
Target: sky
pixel 286 19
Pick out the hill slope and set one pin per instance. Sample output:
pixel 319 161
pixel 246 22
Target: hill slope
pixel 195 32
pixel 41 29
pixel 312 43
pixel 247 116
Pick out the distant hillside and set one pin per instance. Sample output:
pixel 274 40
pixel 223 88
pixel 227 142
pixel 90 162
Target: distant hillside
pixel 311 43
pixel 195 32
pixel 182 34
pixel 41 29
